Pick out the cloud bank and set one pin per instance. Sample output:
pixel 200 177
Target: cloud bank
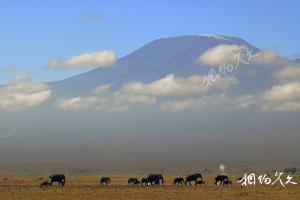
pixel 98 100
pixel 289 72
pixel 267 58
pixel 282 97
pixel 221 101
pixel 140 93
pixel 171 85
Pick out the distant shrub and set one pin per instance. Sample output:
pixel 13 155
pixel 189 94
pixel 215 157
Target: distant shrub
pixel 290 170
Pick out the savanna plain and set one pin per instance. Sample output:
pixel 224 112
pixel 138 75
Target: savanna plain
pixel 87 187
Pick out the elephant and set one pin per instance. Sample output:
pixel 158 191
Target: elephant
pixel 193 177
pixel 105 181
pixel 178 181
pixel 221 179
pixel 155 179
pixel 60 178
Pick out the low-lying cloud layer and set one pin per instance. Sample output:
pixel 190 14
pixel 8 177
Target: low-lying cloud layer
pixel 140 93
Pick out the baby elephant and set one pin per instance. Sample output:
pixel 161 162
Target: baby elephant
pixel 178 181
pixel 144 182
pixel 133 181
pixel 227 182
pixel 45 184
pixel 200 182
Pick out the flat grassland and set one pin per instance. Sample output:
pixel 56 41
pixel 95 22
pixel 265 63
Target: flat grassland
pixel 87 187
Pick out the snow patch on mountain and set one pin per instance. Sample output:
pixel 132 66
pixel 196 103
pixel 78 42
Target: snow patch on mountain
pixel 218 37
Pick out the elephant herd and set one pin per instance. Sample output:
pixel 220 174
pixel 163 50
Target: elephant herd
pixel 150 180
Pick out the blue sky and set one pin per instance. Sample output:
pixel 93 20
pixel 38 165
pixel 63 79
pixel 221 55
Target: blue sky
pixel 33 32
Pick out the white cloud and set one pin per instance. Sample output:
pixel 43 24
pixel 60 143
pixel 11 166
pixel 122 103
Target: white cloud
pixel 119 101
pixel 239 54
pixel 171 85
pixel 93 59
pixel 283 97
pixel 291 71
pixel 221 101
pixel 77 103
pixel 20 93
pixel 244 101
pixel 269 58
pixel 222 54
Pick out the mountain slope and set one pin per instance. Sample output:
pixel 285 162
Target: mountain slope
pixel 297 60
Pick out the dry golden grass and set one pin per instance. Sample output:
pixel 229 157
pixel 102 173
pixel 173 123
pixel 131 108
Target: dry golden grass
pixel 87 187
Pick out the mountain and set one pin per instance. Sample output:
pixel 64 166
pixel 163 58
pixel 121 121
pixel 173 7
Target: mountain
pixel 176 55
pixel 147 133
